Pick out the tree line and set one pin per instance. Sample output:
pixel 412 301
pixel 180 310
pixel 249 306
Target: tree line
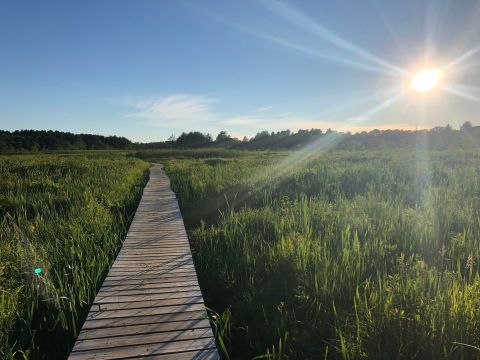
pixel 35 140
pixel 439 138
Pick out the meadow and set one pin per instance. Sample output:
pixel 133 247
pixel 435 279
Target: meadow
pixel 302 255
pixel 62 220
pixel 336 255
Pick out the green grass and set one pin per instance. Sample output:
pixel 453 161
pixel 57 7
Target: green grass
pixel 300 255
pixel 66 214
pixel 341 255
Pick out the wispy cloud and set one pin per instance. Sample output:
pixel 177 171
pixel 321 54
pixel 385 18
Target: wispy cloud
pixel 173 111
pixel 186 112
pixel 251 124
pixel 263 109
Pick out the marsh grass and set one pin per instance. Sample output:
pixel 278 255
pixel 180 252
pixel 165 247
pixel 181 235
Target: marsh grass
pixel 345 255
pixel 351 255
pixel 65 214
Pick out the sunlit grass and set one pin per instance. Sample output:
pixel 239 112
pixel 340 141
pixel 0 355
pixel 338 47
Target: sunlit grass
pixel 65 215
pixel 351 255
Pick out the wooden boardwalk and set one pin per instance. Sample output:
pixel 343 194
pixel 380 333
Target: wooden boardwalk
pixel 150 305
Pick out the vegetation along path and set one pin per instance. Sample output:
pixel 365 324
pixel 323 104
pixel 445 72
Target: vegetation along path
pixel 150 304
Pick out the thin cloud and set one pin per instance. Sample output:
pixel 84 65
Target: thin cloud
pixel 262 109
pixel 188 112
pixel 241 120
pixel 254 123
pixel 174 110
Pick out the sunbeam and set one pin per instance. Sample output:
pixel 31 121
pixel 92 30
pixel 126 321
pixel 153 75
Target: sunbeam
pixel 296 46
pixel 380 107
pixel 339 107
pixel 462 91
pixel 434 17
pixel 427 76
pixel 299 19
pixel 462 58
pixel 354 101
pixel 422 160
pixel 307 50
pixel 316 148
pixel 393 33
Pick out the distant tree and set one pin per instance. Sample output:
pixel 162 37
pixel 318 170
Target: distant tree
pixel 466 126
pixel 33 140
pixel 193 139
pixel 439 138
pixel 262 134
pixel 223 137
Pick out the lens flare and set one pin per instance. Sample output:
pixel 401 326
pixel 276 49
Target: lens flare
pixel 425 80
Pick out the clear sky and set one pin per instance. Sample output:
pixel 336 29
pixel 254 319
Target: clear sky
pixel 146 69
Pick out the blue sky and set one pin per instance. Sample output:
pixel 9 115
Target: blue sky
pixel 146 69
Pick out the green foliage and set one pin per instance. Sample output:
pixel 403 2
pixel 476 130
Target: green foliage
pixel 302 255
pixel 65 214
pixel 41 140
pixel 338 254
pixel 221 330
pixel 438 138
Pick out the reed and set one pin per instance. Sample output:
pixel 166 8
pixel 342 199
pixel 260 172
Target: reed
pixel 62 220
pixel 346 255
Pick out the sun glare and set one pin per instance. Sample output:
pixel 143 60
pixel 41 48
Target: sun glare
pixel 425 80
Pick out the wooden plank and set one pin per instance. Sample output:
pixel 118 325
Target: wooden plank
pixel 146 305
pixel 150 271
pixel 150 287
pixel 151 263
pixel 144 301
pixel 94 323
pixel 149 338
pixel 150 279
pixel 162 256
pixel 97 333
pixel 161 252
pixel 180 290
pixel 142 265
pixel 211 354
pixel 150 304
pixel 100 312
pixel 147 277
pixel 145 296
pixel 122 352
pixel 162 259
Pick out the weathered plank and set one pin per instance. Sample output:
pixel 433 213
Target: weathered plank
pixel 93 323
pixel 171 348
pixel 150 305
pixel 106 332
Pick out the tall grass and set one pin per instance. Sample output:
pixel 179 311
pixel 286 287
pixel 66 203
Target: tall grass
pixel 65 215
pixel 352 255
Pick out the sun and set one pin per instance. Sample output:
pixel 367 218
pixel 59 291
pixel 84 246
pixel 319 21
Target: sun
pixel 425 80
